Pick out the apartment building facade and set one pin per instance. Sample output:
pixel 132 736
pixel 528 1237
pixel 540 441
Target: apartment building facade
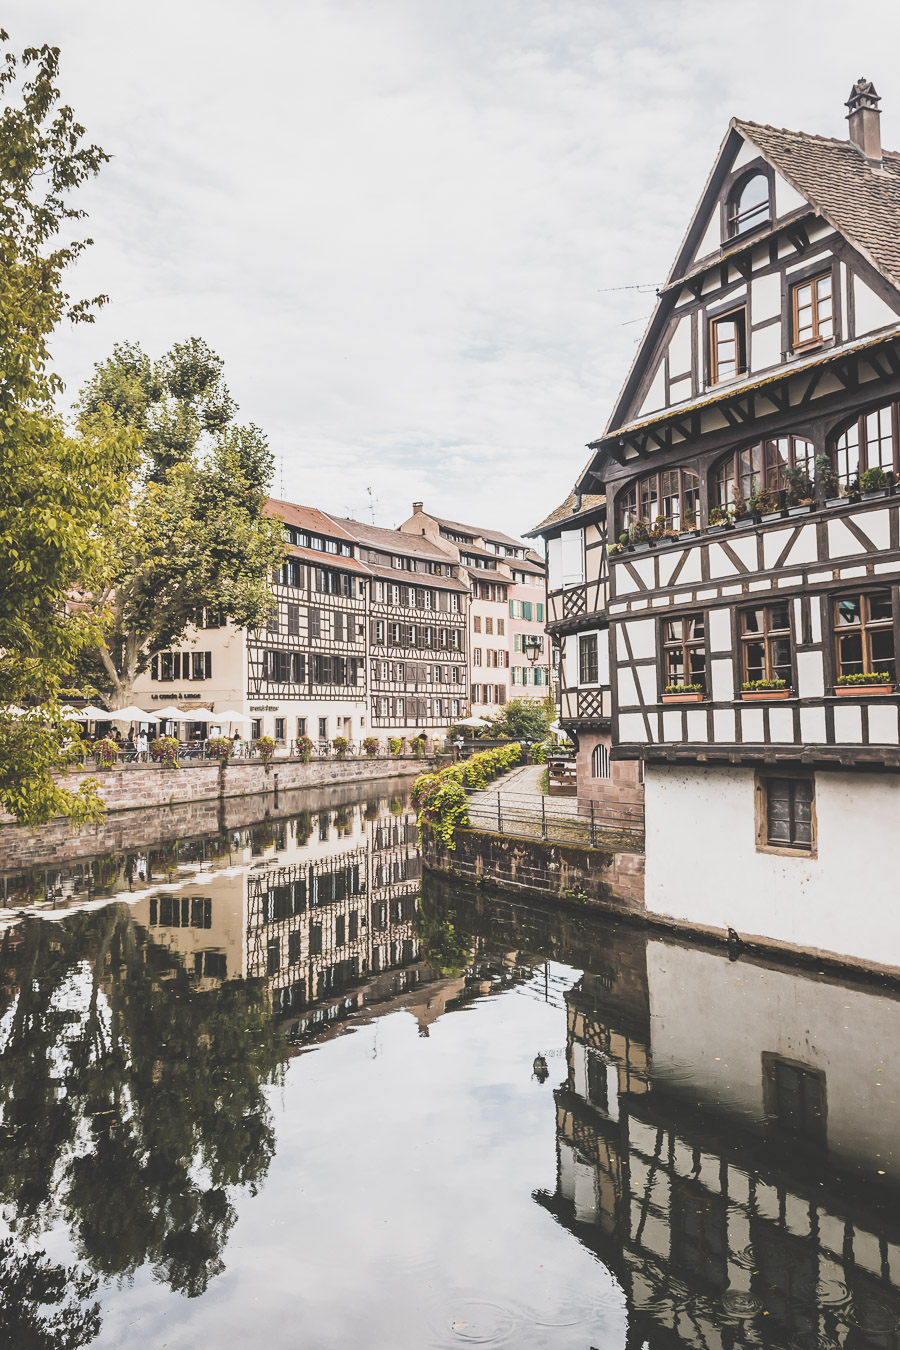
pixel 509 653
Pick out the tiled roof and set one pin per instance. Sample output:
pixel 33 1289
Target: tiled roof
pixel 405 578
pixel 495 536
pixel 589 500
pixel 391 541
pixel 306 518
pixel 861 201
pixel 331 560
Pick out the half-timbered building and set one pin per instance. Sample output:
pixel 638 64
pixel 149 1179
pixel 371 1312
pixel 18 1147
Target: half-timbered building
pixel 575 536
pixel 754 579
pixel 416 632
pixel 508 653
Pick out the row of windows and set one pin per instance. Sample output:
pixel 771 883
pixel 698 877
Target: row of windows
pixel 872 440
pixel 530 642
pixel 318 543
pixel 862 631
pixel 488 693
pixel 293 668
pixel 526 609
pixel 181 666
pixel 811 319
pixel 416 597
pixel 495 657
pixel 536 675
pixel 343 626
pixel 398 708
pixel 489 624
pixel 414 635
pixel 489 590
pixel 399 671
pixel 324 579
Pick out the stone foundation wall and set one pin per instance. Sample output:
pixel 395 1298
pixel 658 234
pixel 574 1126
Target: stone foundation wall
pixel 623 788
pixel 132 786
pixel 565 871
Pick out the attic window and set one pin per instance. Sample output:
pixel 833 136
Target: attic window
pixel 748 205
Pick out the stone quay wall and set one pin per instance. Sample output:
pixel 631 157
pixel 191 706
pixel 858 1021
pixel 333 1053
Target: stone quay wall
pixel 131 786
pixel 570 872
pixel 148 827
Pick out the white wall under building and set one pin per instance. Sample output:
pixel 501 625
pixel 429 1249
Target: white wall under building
pixel 704 866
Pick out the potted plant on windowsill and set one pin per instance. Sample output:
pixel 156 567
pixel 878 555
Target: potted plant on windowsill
pixel 683 693
pixel 873 483
pixel 866 683
pixel 763 691
pixel 800 495
pixel 639 533
pixel 689 525
pixel 719 519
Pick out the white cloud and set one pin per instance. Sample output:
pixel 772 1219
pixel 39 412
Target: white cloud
pixel 396 220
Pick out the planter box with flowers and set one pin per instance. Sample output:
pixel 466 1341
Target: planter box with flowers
pixel 763 691
pixel 867 683
pixel 683 693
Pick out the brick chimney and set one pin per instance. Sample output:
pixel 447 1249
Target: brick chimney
pixel 864 118
pixel 417 507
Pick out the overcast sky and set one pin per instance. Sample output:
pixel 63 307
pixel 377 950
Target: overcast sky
pixel 402 223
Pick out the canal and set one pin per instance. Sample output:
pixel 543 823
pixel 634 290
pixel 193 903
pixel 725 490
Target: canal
pixel 263 1085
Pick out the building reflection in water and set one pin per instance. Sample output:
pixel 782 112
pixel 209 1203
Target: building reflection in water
pixel 726 1143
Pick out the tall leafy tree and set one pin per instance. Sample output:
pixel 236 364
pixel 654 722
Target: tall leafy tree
pixel 57 489
pixel 191 531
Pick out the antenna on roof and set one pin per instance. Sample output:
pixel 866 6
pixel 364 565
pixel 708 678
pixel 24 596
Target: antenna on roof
pixel 371 504
pixel 281 489
pixel 642 286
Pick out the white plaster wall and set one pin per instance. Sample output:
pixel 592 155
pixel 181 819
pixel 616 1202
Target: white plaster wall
pixel 765 293
pixel 703 866
pixel 786 198
pixel 870 310
pixel 765 347
pixel 852 1036
pixel 656 394
pixel 680 348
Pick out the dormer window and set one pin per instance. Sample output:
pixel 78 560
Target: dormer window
pixel 728 346
pixel 749 204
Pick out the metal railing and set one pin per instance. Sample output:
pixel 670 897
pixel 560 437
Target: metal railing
pixel 561 820
pixel 190 752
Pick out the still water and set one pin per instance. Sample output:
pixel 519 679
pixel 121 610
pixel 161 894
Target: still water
pixel 260 1086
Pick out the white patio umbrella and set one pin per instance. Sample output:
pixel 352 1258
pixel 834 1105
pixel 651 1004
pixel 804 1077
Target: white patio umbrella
pixel 229 715
pixel 173 714
pixel 133 714
pixel 473 722
pixel 97 714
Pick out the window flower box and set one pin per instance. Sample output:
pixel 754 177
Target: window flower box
pixel 763 691
pixel 686 696
pixel 803 510
pixel 874 495
pixel 867 684
pixel 852 690
pixel 772 515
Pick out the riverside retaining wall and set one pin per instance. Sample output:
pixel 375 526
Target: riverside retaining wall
pixel 131 786
pixel 149 827
pixel 571 872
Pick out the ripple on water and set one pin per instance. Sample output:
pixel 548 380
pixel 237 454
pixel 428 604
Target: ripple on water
pixel 474 1321
pixel 567 1306
pixel 736 1303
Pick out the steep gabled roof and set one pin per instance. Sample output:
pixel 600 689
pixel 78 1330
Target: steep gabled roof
pixel 306 518
pixel 495 536
pixel 565 511
pixel 858 199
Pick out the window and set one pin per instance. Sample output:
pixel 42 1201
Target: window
pixel 871 441
pixel 293 948
pixel 766 643
pixel 864 633
pixel 338 624
pixel 315 939
pixel 727 346
pixel 515 609
pixel 501 627
pixel 788 816
pixel 395 635
pixel 279 728
pixel 794 1097
pixel 256 729
pixel 476 623
pixel 315 627
pixel 273 956
pixel 588 664
pixel 600 762
pixel 748 205
pixel 684 650
pixel 379 631
pixel 293 620
pixel 340 934
pixel 812 311
pixel 323 728
pixel 301 727
pixel 673 494
pixel 761 468
pixel 489 625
